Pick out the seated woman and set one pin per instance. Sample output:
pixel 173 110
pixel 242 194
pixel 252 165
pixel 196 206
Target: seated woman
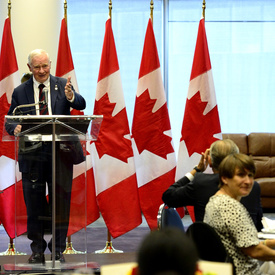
pixel 228 216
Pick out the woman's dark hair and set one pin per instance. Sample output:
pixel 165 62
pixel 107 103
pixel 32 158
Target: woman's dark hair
pixel 167 251
pixel 232 162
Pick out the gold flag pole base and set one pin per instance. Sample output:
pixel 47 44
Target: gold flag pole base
pixel 108 249
pixel 69 247
pixel 70 250
pixel 11 251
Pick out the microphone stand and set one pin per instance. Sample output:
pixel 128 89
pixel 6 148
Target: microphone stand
pixel 27 105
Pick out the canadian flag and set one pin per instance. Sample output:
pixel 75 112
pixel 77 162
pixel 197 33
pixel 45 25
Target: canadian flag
pixel 201 123
pixel 81 195
pixel 12 205
pixel 112 154
pixel 151 133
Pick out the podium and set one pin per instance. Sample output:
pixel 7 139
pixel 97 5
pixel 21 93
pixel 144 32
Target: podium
pixel 55 146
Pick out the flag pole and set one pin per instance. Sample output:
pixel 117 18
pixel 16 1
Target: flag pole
pixel 65 11
pixel 9 9
pixel 69 245
pixel 151 10
pixel 110 9
pixel 109 246
pixel 203 8
pixel 11 249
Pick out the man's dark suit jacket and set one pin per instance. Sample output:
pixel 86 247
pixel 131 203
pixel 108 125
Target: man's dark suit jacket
pixel 197 193
pixel 24 94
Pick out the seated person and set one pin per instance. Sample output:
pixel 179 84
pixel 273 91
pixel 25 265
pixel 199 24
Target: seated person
pixel 166 252
pixel 195 188
pixel 230 219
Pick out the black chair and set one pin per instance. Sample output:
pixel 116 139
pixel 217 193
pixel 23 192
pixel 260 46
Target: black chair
pixel 208 242
pixel 169 217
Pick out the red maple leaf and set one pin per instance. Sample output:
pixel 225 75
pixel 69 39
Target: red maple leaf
pixel 148 127
pixel 198 129
pixel 111 138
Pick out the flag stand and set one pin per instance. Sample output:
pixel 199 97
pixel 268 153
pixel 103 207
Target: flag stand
pixel 109 247
pixel 69 247
pixel 11 250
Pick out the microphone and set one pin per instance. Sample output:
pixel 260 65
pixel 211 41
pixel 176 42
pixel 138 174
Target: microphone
pixel 46 95
pixel 17 110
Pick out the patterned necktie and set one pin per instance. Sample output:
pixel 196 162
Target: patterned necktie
pixel 43 108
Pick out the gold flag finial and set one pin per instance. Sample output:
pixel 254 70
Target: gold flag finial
pixel 151 10
pixel 65 11
pixel 203 8
pixel 9 9
pixel 110 9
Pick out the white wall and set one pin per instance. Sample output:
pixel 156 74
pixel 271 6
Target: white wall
pixel 34 24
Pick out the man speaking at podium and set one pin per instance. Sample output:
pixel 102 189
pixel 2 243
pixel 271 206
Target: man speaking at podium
pixel 44 94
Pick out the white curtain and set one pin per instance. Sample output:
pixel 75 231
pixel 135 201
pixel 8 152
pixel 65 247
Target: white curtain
pixel 241 40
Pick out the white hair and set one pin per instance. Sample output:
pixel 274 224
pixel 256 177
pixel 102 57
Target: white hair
pixel 34 53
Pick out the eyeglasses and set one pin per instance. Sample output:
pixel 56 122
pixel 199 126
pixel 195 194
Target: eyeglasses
pixel 38 67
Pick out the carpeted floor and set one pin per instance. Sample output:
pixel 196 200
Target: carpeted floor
pixel 96 240
pixel 96 236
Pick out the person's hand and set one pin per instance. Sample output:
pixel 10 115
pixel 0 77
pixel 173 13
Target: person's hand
pixel 68 89
pixel 17 130
pixel 204 160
